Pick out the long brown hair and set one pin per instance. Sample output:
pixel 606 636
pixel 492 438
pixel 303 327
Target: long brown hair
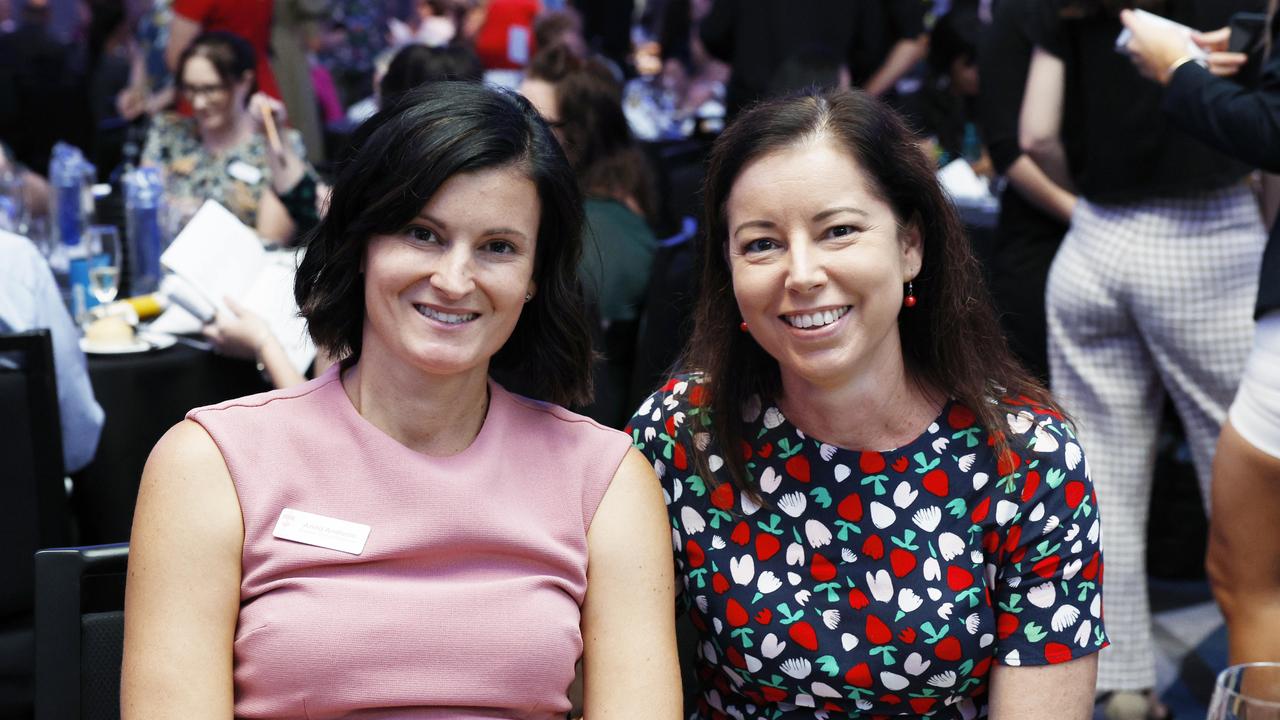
pixel 951 340
pixel 597 138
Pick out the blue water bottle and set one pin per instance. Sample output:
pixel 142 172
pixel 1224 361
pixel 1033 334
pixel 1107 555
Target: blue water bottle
pixel 144 195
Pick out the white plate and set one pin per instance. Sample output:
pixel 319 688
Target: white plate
pixel 143 342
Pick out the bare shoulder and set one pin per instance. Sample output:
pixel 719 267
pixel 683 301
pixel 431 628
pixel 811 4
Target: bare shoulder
pixel 186 480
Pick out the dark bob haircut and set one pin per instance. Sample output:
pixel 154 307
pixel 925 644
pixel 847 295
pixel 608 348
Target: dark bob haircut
pixel 402 156
pixel 231 56
pixel 951 340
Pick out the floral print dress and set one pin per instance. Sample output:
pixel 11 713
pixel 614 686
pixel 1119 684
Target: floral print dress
pixel 870 584
pixel 235 178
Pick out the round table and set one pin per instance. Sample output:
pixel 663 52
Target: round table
pixel 143 395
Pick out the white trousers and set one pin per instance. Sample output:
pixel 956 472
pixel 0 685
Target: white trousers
pixel 1145 299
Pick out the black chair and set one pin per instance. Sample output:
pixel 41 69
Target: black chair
pixel 34 511
pixel 80 631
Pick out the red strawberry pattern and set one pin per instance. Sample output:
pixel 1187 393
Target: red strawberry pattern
pixel 875 584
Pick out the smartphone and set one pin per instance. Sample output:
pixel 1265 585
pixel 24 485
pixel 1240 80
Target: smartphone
pixel 1246 31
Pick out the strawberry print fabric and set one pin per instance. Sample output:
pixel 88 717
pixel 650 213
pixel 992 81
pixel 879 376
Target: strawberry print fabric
pixel 870 584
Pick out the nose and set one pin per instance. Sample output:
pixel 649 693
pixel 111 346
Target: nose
pixel 805 269
pixel 454 276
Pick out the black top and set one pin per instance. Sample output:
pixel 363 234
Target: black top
pixel 758 37
pixel 1004 55
pixel 1129 150
pixel 882 23
pixel 1242 122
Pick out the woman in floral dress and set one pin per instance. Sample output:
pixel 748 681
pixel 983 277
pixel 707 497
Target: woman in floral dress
pixel 221 153
pixel 875 510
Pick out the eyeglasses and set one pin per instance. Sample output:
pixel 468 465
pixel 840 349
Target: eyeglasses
pixel 213 92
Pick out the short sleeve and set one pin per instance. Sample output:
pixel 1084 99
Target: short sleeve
pixel 1041 24
pixel 660 430
pixel 1048 581
pixel 1003 56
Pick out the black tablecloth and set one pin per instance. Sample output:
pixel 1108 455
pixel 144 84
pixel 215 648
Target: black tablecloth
pixel 144 395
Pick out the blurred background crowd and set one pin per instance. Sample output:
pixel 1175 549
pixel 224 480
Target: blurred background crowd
pixel 1033 120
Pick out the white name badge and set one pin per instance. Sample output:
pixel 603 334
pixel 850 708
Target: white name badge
pixel 320 531
pixel 244 172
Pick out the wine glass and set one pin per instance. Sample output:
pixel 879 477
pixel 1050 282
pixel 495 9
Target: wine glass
pixel 1247 692
pixel 104 268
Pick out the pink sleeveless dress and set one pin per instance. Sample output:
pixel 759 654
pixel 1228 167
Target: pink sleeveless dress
pixel 465 601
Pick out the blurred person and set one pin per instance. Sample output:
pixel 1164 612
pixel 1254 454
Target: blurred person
pixel 444 272
pixel 756 37
pixel 892 40
pixel 561 27
pixel 1244 551
pixel 697 79
pixel 150 89
pixel 249 19
pixel 950 94
pixel 416 65
pixel 366 107
pixel 1150 294
pixel 504 39
pixel 875 510
pixel 432 24
pixel 293 24
pixel 583 103
pixel 607 28
pixel 221 152
pixel 42 90
pixel 241 333
pixel 35 188
pixel 1034 209
pixel 30 300
pixel 349 46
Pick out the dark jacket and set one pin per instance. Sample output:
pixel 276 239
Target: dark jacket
pixel 1243 123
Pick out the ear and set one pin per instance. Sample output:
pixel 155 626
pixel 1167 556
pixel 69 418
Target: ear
pixel 911 240
pixel 533 289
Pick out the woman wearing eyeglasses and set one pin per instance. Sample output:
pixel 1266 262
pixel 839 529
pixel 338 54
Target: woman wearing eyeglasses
pixel 222 153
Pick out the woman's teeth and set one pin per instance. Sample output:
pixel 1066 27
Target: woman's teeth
pixel 817 319
pixel 448 318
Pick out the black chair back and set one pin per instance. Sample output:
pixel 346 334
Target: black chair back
pixel 33 501
pixel 80 631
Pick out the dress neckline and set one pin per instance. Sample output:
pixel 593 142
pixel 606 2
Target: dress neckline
pixel 781 419
pixel 499 400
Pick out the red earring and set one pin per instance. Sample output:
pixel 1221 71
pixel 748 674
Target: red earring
pixel 910 299
pixel 742 326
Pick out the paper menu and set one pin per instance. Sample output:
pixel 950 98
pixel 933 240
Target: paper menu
pixel 217 256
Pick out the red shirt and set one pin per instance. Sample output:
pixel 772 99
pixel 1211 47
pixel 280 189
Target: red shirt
pixel 250 19
pixel 505 41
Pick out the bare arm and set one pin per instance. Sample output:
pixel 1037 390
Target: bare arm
pixel 902 57
pixel 1269 198
pixel 274 224
pixel 628 626
pixel 1044 692
pixel 183 595
pixel 1033 184
pixel 242 333
pixel 181 32
pixel 1040 124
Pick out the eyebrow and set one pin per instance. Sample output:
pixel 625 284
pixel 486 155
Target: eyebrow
pixel 766 225
pixel 490 231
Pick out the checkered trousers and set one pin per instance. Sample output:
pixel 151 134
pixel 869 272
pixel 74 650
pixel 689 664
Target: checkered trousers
pixel 1145 299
